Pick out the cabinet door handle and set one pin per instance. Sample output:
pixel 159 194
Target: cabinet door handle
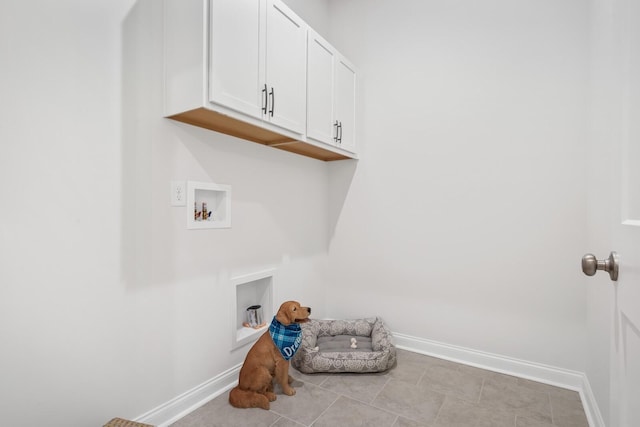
pixel 340 137
pixel 264 103
pixel 272 95
pixel 335 138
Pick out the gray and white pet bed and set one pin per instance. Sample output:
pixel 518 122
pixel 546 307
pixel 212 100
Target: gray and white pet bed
pixel 327 346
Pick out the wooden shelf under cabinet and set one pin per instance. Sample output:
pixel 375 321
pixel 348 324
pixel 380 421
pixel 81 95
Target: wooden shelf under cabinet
pixel 218 122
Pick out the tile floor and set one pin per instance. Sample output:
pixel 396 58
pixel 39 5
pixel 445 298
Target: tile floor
pixel 419 391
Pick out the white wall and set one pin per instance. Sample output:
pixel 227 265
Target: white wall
pixel 464 221
pixel 108 305
pixel 313 12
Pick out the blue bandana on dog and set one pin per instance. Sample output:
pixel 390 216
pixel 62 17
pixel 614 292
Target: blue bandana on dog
pixel 286 338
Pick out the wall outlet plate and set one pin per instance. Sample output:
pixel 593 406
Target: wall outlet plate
pixel 178 193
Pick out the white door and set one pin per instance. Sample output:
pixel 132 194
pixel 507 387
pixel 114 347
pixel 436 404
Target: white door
pixel 235 57
pixel 345 84
pixel 320 57
pixel 616 126
pixel 286 68
pixel 626 231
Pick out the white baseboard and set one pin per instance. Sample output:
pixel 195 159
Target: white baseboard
pixel 559 377
pixel 168 413
pixel 590 405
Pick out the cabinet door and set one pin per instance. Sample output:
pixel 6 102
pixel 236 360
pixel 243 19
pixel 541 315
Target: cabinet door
pixel 345 111
pixel 286 67
pixel 320 122
pixel 235 58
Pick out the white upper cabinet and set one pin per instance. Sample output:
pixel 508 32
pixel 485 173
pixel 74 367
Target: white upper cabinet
pixel 320 93
pixel 258 61
pixel 239 67
pixel 345 104
pixel 236 74
pixel 331 81
pixel 286 68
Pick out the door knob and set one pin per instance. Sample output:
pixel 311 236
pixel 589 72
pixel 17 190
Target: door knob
pixel 590 265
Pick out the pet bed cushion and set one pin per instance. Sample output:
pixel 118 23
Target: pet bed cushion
pixel 326 346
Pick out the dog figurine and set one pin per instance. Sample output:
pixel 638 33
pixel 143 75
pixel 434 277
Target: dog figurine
pixel 268 359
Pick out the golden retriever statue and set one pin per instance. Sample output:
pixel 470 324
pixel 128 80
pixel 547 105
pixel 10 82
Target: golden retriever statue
pixel 268 359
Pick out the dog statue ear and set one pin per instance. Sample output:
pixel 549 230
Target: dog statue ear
pixel 283 315
pixel 282 318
